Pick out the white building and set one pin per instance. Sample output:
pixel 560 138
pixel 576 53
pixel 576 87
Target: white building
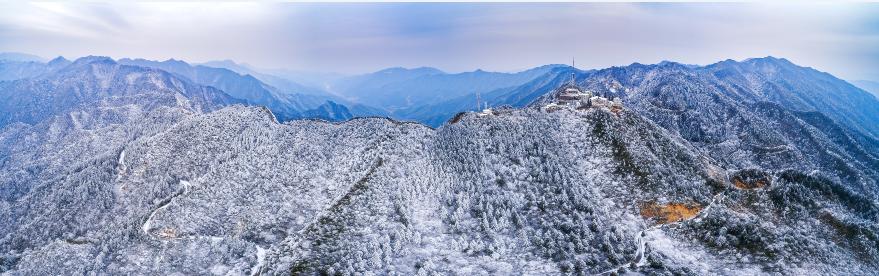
pixel 599 101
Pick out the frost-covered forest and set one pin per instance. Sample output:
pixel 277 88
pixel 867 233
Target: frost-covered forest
pixel 146 173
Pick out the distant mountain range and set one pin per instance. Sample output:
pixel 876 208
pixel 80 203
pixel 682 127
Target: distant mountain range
pixel 292 103
pixel 399 89
pixel 92 82
pixel 139 167
pixel 281 84
pixel 431 96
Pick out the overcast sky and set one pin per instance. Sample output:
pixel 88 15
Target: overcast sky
pixel 842 39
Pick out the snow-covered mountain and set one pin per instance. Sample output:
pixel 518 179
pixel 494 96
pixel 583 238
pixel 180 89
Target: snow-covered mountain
pixel 525 192
pixel 315 102
pixel 286 106
pixel 133 170
pixel 754 80
pixel 779 81
pixel 91 82
pixel 15 70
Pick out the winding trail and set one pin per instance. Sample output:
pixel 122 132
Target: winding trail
pixel 639 259
pixel 260 251
pixel 148 222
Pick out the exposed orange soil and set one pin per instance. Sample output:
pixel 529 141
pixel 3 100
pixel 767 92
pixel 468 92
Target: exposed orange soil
pixel 668 213
pixel 748 185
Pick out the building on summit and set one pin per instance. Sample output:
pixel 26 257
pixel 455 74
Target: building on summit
pixel 573 96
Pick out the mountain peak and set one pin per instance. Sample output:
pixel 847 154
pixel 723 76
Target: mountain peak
pixel 768 60
pixel 677 64
pixel 671 64
pixel 175 62
pixel 60 60
pixel 330 111
pixel 94 59
pixel 228 64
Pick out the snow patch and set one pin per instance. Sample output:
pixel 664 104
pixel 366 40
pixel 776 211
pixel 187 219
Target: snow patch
pixel 260 260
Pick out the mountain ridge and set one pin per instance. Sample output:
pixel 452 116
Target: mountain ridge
pixel 247 87
pixel 618 163
pixel 692 175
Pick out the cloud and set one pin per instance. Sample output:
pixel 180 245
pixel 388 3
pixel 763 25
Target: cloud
pixel 839 38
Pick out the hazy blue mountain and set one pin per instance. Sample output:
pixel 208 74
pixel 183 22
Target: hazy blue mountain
pixel 438 112
pixel 330 111
pixel 869 86
pixel 400 88
pixel 364 88
pixel 283 85
pixel 242 68
pixel 321 80
pixel 20 57
pixel 14 70
pixel 246 87
pixel 310 97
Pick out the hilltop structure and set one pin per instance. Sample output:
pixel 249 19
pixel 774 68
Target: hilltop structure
pixel 573 96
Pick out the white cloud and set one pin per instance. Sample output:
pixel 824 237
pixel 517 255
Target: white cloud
pixel 839 38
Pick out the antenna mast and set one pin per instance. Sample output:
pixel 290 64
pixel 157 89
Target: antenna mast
pixel 573 82
pixel 477 101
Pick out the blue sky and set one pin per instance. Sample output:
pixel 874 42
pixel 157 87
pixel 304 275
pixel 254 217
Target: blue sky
pixel 842 39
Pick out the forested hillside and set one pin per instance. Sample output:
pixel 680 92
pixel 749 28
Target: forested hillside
pixel 117 169
pixel 526 192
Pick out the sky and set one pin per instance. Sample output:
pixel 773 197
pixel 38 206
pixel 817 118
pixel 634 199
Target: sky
pixel 842 39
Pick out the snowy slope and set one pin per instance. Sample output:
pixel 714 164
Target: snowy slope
pixel 524 192
pixel 141 172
